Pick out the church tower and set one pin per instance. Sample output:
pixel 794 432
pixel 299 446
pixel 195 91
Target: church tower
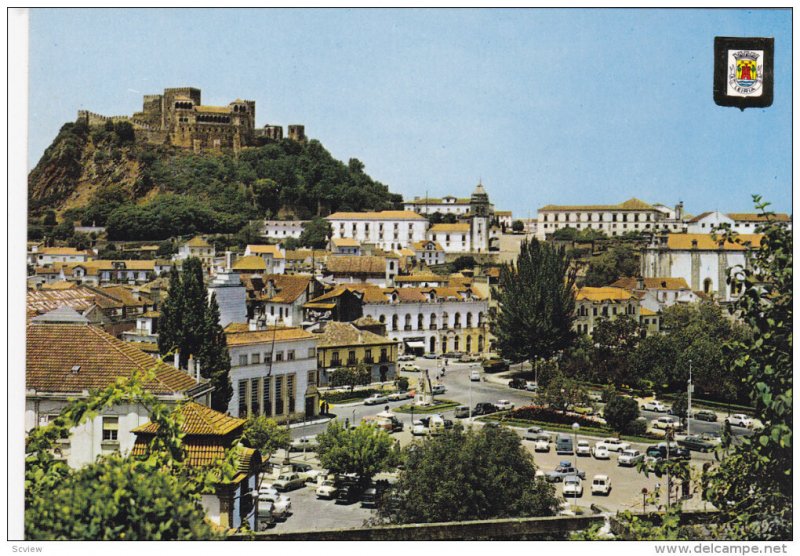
pixel 480 217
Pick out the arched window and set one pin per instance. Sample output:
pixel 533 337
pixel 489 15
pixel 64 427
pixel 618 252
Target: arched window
pixel 707 285
pixel 432 325
pixel 394 322
pixel 408 322
pixel 480 319
pixel 445 319
pixel 455 343
pixel 420 323
pixel 480 343
pixel 433 344
pixel 469 344
pixel 382 319
pixel 457 320
pixel 469 320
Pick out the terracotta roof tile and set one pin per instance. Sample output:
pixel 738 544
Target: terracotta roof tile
pixel 273 250
pixel 757 217
pixel 606 293
pixel 706 242
pixel 53 350
pixel 630 204
pixel 280 334
pixel 199 420
pixel 665 283
pixel 254 263
pixel 345 242
pixel 353 264
pixel 345 334
pixel 449 228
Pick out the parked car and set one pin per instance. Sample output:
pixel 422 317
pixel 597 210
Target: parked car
pixel 475 375
pixel 410 368
pixel 370 498
pixel 386 421
pixel 305 443
pixel 484 408
pixel 348 493
pixel 564 469
pixel 694 442
pixel 438 389
pixel 517 383
pixel 306 472
pixel 542 443
pixel 431 356
pixel 601 452
pixel 281 505
pixel 264 518
pixel 288 481
pixel 564 444
pixel 531 386
pixel 419 429
pixel 436 425
pixel 666 422
pixel 583 448
pixel 654 406
pixel 327 489
pixel 397 396
pixel 613 444
pixel 601 484
pixel 495 366
pixel 739 420
pixel 504 405
pixel 406 357
pixel 629 458
pixel 532 433
pixel 660 452
pixel 465 358
pixel 706 415
pixel 376 399
pixel 461 412
pixel 452 355
pixel 572 487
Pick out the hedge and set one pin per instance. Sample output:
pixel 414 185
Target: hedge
pixel 537 413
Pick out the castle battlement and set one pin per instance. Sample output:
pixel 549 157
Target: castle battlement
pixel 179 118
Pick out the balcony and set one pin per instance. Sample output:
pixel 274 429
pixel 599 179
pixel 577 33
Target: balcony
pixel 351 362
pixel 383 359
pixel 369 360
pixel 407 327
pixel 444 327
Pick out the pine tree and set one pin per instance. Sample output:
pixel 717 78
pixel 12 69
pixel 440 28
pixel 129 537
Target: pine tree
pixel 536 303
pixel 214 359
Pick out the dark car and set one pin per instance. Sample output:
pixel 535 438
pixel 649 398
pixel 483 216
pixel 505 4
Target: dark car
pixel 495 366
pixel 705 415
pixel 659 452
pixel 517 383
pixel 695 443
pixel 370 498
pixel 484 408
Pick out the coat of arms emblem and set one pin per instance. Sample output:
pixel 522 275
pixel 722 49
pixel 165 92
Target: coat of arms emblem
pixel 745 72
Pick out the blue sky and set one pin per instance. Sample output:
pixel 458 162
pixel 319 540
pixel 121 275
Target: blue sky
pixel 544 106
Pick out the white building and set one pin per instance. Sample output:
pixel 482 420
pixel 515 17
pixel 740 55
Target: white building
pixel 445 205
pixel 274 257
pixel 50 255
pixel 281 229
pixel 345 246
pixel 278 298
pixel 388 229
pixel 436 320
pixel 703 262
pixel 273 373
pixel 656 294
pixel 199 248
pixel 742 223
pixel 350 269
pixel 66 358
pixel 429 252
pixel 631 216
pixel 231 297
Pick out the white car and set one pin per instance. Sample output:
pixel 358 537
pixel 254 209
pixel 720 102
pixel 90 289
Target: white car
pixel 305 443
pixel 630 458
pixel 419 429
pixel 406 357
pixel 438 389
pixel 573 487
pixel 655 406
pixel 531 386
pixel 601 484
pixel 613 444
pixel 666 423
pixel 410 368
pixel 532 433
pixel 542 443
pixel 739 420
pixel 504 405
pixel 583 448
pixel 281 505
pixel 327 490
pixel 600 452
pixel 475 376
pixel 395 396
pixel 376 399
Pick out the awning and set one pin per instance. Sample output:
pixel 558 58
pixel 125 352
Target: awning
pixel 416 345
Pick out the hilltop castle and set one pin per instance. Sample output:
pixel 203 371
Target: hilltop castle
pixel 178 117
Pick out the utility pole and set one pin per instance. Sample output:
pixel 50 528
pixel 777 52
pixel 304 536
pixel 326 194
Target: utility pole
pixel 689 401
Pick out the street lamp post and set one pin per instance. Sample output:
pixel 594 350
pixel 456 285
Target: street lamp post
pixel 689 402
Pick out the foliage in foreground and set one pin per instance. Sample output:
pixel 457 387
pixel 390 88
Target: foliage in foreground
pixel 364 450
pixel 466 475
pixel 152 497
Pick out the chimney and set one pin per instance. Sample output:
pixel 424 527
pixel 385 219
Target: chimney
pixel 176 359
pixel 190 365
pixel 197 372
pixel 229 259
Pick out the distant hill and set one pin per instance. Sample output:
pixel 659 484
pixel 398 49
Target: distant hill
pixel 141 191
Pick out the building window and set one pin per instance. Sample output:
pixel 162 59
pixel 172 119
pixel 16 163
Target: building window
pixel 335 358
pixel 290 355
pixel 279 395
pixel 312 378
pixel 367 355
pixel 255 358
pixel 384 357
pixel 242 360
pixel 242 398
pixel 267 402
pixel 312 352
pixel 110 429
pixel 290 392
pixel 268 357
pixel 254 397
pixel 278 356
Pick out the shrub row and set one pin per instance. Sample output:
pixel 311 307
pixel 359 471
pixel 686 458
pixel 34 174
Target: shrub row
pixel 537 413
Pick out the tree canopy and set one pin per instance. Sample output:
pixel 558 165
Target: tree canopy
pixel 364 450
pixel 316 233
pixel 489 474
pixel 617 262
pixel 536 303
